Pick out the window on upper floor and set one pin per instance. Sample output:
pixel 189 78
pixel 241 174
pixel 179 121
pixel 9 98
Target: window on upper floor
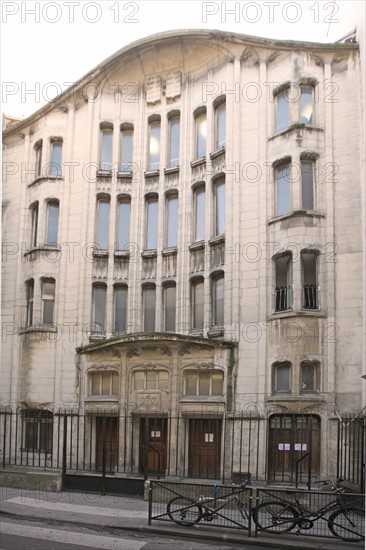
pixel 169 304
pixel 282 377
pixel 30 301
pixel 34 224
pixel 103 383
pixel 120 308
pixel 149 307
pixel 99 307
pixel 283 189
pixel 219 208
pixel 283 283
pixel 106 139
pixel 48 301
pixel 174 142
pixel 172 221
pixel 197 303
pixel 203 383
pixel 151 237
pixel 147 380
pixel 309 377
pixel 56 158
pixel 52 222
pixel 282 110
pixel 199 209
pixel 307 105
pixel 220 125
pixel 125 161
pixel 307 184
pixel 201 134
pixel 38 151
pixel 37 431
pixel 309 276
pixel 217 299
pixel 102 226
pixel 154 145
pixel 123 223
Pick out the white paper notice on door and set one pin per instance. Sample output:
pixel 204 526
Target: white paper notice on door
pixel 209 438
pixel 155 434
pixel 300 447
pixel 284 446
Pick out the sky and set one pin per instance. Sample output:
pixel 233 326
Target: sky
pixel 47 45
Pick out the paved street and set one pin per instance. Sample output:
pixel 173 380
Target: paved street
pixel 30 535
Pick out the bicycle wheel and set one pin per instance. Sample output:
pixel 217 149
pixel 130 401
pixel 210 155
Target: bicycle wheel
pixel 348 524
pixel 275 517
pixel 184 511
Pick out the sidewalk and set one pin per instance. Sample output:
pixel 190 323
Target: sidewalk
pixel 132 514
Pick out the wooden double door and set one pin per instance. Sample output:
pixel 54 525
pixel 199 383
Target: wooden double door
pixel 293 447
pixel 204 447
pixel 106 442
pixel 153 445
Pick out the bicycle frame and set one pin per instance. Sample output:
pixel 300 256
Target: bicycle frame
pixel 209 512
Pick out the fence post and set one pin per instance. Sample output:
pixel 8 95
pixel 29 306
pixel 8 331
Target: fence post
pixel 4 444
pixel 64 445
pixel 104 456
pixel 150 502
pixel 146 450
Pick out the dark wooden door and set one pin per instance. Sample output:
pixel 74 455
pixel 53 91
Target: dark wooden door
pixel 153 445
pixel 107 442
pixel 293 446
pixel 204 448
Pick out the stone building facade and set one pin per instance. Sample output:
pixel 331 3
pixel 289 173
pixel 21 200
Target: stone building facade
pixel 183 248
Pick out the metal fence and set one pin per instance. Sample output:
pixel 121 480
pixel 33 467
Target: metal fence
pixel 226 447
pixel 257 510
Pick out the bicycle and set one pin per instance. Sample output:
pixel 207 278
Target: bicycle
pixel 187 511
pixel 346 522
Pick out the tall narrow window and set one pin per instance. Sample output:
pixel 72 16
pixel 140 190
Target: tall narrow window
pixel 197 301
pixel 283 190
pixel 103 224
pixel 34 222
pixel 106 149
pixel 125 164
pixel 56 156
pixel 38 164
pixel 123 223
pixel 306 106
pixel 201 134
pixel 99 307
pixel 219 207
pixel 310 289
pixel 220 125
pixel 282 377
pixel 52 223
pixel 307 185
pixel 282 111
pixel 151 224
pixel 149 305
pixel 174 139
pixel 172 221
pixel 218 300
pixel 283 289
pixel 48 301
pixel 30 301
pixel 120 309
pixel 309 377
pixel 199 213
pixel 154 145
pixel 169 307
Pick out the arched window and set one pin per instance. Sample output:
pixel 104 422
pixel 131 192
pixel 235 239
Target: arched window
pixel 309 377
pixel 203 382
